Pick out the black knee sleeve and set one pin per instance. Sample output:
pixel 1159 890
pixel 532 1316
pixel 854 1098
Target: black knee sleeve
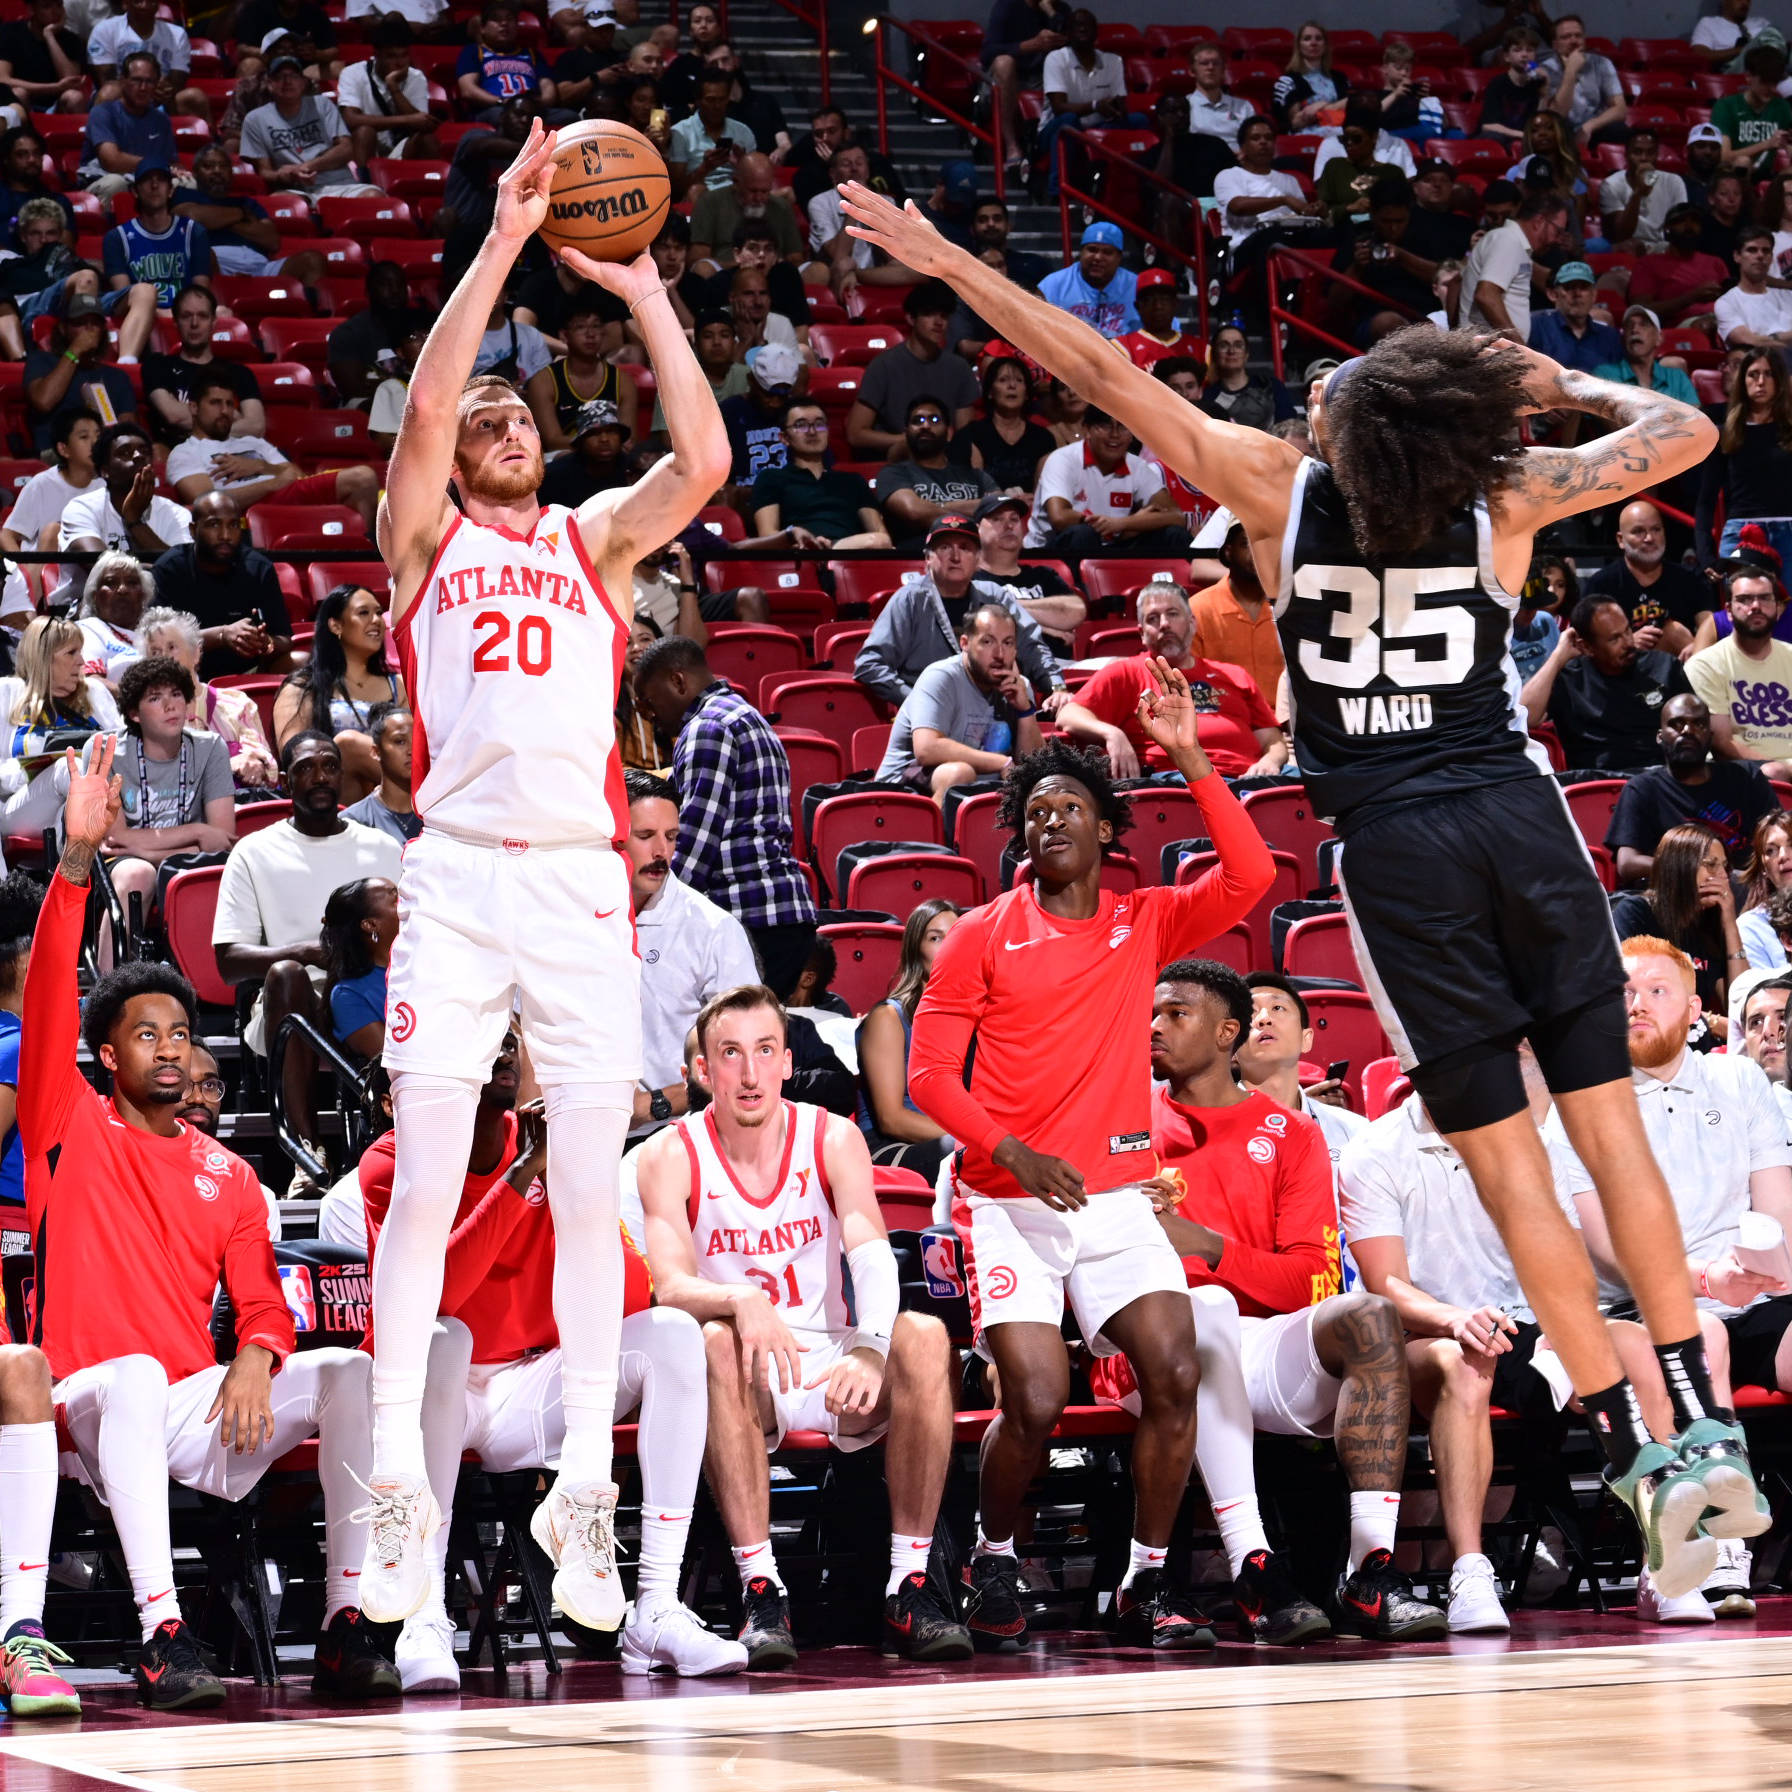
pixel 1585 1047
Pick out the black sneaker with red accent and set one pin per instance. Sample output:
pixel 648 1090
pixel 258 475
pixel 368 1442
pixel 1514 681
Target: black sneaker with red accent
pixel 350 1665
pixel 171 1674
pixel 992 1609
pixel 765 1625
pixel 1270 1606
pixel 1377 1602
pixel 919 1623
pixel 1154 1613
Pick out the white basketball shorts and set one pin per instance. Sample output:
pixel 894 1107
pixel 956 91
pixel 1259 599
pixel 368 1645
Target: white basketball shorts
pixel 549 930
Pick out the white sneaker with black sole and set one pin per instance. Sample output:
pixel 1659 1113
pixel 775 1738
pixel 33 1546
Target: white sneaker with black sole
pixel 1475 1608
pixel 1726 1587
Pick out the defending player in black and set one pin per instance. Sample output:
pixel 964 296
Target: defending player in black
pixel 1476 914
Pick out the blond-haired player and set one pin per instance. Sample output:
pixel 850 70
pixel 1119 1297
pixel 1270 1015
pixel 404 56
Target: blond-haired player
pixel 512 645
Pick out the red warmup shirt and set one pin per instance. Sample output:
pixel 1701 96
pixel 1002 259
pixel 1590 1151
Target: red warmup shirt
pixel 1227 698
pixel 1260 1176
pixel 1146 350
pixel 132 1231
pixel 499 1277
pixel 1061 1013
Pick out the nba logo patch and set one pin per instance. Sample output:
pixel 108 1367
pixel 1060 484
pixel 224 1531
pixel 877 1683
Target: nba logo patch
pixel 939 1263
pixel 301 1299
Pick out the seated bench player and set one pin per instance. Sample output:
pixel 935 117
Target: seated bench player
pixel 136 1218
pixel 752 1208
pixel 1719 1135
pixel 1250 1209
pixel 493 1384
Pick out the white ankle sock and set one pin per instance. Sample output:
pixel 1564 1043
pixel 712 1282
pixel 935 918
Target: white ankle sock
pixel 908 1555
pixel 757 1559
pixel 985 1547
pixel 663 1536
pixel 1374 1517
pixel 1144 1555
pixel 1241 1530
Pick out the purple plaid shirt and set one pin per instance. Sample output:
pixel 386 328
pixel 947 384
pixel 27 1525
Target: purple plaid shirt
pixel 733 782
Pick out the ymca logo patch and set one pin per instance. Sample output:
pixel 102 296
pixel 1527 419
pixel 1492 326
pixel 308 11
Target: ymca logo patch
pixel 205 1188
pixel 1261 1150
pixel 1277 1123
pixel 216 1162
pixel 404 1022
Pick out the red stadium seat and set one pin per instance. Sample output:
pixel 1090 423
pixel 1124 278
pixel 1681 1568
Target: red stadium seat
pixel 1659 53
pixel 827 702
pixel 1120 874
pixel 1122 578
pixel 303 339
pixel 814 759
pixel 272 524
pixel 188 906
pixel 286 382
pixel 904 1198
pixel 1159 815
pixel 1285 819
pixel 250 296
pixel 768 575
pixel 331 438
pixel 364 217
pixel 1591 804
pixel 1379 1079
pixel 746 655
pixel 292 212
pixel 723 520
pixel 1320 946
pixel 1287 886
pixel 868 955
pixel 979 837
pixel 407 180
pixel 1272 43
pixel 1234 948
pixel 1345 1026
pixel 837 645
pixel 851 345
pixel 1472 155
pixel 261 688
pixel 869 745
pixel 856 582
pixel 323 578
pixel 843 821
pixel 896 883
pixel 1103 636
pixel 251 818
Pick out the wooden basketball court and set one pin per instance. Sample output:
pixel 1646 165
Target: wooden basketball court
pixel 1714 1711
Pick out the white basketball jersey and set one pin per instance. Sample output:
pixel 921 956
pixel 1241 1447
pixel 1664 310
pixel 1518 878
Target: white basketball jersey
pixel 788 1245
pixel 512 654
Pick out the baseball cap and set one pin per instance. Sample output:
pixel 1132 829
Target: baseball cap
pixel 1535 171
pixel 1704 133
pixel 1103 233
pixel 1001 501
pixel 284 62
pixel 598 414
pixel 274 36
pixel 599 13
pixel 1572 273
pixel 83 304
pixel 1156 277
pixel 776 365
pixel 1631 311
pixel 150 165
pixel 950 524
pixel 960 181
pixel 1433 165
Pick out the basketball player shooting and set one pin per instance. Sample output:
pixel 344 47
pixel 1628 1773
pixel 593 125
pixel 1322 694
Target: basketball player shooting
pixel 1477 917
pixel 512 647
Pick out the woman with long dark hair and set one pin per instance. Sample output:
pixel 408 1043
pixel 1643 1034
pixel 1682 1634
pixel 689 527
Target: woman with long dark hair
pixel 1690 904
pixel 1550 592
pixel 1768 871
pixel 336 690
pixel 1007 441
pixel 895 1129
pixel 360 924
pixel 1751 469
pixel 636 740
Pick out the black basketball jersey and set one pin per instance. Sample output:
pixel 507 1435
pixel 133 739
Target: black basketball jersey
pixel 1400 672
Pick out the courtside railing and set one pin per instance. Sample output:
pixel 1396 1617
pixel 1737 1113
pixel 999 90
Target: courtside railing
pixel 938 55
pixel 1283 264
pixel 814 14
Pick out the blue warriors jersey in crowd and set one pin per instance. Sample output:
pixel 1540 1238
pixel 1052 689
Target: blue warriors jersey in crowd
pixel 1400 670
pixel 168 260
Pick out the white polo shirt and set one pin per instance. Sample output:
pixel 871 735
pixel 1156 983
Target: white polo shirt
pixel 1711 1124
pixel 1070 473
pixel 690 950
pixel 1400 1178
pixel 1220 118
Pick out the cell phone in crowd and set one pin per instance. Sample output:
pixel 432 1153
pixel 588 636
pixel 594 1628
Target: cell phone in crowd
pixel 1337 1070
pixel 656 120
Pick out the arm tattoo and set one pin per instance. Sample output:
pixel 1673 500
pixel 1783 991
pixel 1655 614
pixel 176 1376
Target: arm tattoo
pixel 1647 423
pixel 77 861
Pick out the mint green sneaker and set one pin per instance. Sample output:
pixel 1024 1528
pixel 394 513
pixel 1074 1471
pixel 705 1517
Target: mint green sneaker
pixel 1718 1455
pixel 1667 1500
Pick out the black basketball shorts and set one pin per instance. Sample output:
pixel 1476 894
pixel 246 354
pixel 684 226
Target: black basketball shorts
pixel 1477 916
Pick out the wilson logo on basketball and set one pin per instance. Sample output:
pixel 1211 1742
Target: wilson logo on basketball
pixel 1001 1282
pixel 404 1022
pixel 604 208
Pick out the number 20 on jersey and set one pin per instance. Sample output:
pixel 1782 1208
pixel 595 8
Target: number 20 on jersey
pixel 497 647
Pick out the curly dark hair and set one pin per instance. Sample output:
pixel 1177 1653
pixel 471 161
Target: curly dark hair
pixel 118 987
pixel 1059 759
pixel 1426 422
pixel 144 677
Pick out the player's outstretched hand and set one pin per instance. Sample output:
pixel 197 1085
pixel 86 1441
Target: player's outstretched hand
pixel 95 797
pixel 853 1383
pixel 1169 716
pixel 523 187
pixel 766 1346
pixel 245 1399
pixel 630 281
pixel 1057 1183
pixel 902 232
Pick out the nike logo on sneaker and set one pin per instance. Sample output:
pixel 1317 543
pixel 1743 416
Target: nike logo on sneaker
pixel 1370 1608
pixel 152 1675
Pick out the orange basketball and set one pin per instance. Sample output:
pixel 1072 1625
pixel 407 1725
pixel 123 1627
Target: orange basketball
pixel 611 191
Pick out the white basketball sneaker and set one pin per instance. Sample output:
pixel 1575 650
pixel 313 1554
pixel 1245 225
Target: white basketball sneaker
pixel 1475 1608
pixel 401 1515
pixel 577 1529
pixel 1726 1588
pixel 672 1636
pixel 1653 1607
pixel 425 1653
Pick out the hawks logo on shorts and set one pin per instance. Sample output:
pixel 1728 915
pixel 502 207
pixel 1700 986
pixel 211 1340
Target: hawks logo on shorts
pixel 404 1022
